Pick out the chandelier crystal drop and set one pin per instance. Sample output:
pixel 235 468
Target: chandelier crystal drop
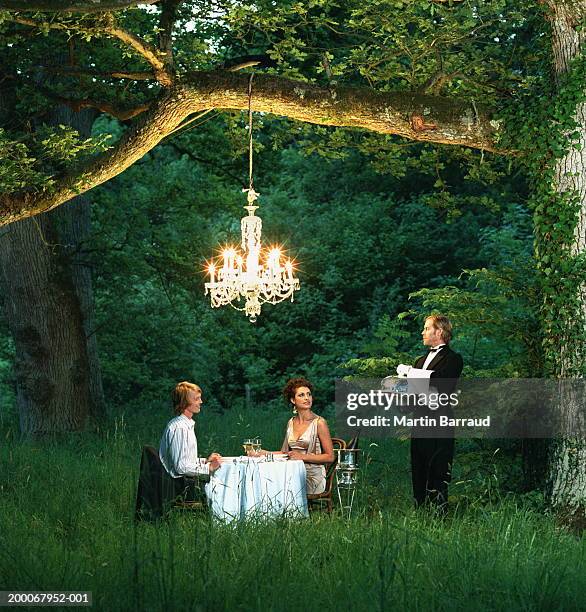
pixel 252 276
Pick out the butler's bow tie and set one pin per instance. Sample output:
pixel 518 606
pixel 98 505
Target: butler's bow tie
pixel 435 350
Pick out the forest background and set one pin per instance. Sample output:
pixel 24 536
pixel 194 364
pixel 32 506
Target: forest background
pixel 384 230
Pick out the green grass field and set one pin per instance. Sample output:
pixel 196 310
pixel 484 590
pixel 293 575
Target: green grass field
pixel 66 524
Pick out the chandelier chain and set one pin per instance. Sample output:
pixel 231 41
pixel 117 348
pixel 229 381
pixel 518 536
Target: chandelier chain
pixel 250 184
pixel 253 274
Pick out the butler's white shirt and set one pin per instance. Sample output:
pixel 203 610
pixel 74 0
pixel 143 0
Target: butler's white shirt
pixel 431 356
pixel 178 449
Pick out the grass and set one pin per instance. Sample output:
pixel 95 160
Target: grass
pixel 66 524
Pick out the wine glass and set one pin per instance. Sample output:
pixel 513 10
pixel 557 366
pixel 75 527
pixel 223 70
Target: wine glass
pixel 247 445
pixel 256 444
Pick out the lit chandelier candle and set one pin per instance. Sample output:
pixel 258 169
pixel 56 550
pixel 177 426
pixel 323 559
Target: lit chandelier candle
pixel 251 277
pixel 248 277
pixel 274 267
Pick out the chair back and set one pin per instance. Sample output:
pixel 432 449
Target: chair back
pixel 338 444
pixel 156 490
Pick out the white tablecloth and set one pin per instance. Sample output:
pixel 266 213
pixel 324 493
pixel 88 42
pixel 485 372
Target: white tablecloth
pixel 249 488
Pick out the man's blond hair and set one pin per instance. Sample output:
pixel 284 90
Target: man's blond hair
pixel 179 395
pixel 442 323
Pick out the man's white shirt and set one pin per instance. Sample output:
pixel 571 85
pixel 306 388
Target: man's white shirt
pixel 431 356
pixel 178 449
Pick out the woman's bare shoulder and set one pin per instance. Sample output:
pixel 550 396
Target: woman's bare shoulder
pixel 322 423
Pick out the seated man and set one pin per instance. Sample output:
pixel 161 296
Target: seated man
pixel 178 448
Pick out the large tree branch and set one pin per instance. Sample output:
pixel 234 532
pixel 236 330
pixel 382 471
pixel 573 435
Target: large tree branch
pixel 169 110
pixel 71 6
pixel 110 28
pixel 454 121
pixel 413 115
pixel 150 54
pixel 114 74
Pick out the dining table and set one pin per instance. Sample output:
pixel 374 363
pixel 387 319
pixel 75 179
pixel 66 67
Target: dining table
pixel 257 488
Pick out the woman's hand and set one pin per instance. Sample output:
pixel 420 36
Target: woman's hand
pixel 296 455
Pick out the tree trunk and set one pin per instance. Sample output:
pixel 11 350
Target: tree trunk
pixel 74 227
pixel 49 306
pixel 567 465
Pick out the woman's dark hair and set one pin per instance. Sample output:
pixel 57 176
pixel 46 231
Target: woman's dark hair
pixel 292 385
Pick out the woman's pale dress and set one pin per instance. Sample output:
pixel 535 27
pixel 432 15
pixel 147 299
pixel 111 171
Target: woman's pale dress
pixel 308 442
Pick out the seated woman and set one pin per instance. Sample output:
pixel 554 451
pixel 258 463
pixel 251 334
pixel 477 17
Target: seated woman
pixel 308 437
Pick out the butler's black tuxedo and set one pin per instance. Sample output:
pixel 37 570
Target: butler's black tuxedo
pixel 432 452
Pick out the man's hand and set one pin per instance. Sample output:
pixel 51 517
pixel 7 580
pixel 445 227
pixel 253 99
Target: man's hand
pixel 214 462
pixel 403 370
pixel 214 465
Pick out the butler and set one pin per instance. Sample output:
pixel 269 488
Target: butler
pixel 432 450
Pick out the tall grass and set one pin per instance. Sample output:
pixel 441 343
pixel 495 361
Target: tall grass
pixel 66 524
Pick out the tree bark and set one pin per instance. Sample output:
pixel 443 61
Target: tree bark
pixel 413 115
pixel 567 465
pixel 73 224
pixel 71 6
pixel 49 305
pixel 45 321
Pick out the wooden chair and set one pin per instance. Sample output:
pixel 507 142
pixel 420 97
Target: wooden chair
pixel 323 501
pixel 191 496
pixel 157 492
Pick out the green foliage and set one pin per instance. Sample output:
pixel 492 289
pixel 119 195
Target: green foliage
pixel 7 397
pixel 32 161
pixel 546 131
pixel 456 48
pixel 494 310
pixel 356 240
pixel 16 171
pixel 384 350
pixel 151 237
pixel 370 218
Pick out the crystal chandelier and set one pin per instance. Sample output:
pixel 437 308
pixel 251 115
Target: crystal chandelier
pixel 254 274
